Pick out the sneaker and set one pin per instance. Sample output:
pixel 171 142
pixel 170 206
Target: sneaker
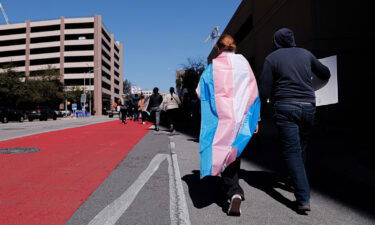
pixel 303 208
pixel 234 207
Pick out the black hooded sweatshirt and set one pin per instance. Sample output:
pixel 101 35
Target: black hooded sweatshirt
pixel 288 71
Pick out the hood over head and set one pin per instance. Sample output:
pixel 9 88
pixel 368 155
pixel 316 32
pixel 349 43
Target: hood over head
pixel 284 38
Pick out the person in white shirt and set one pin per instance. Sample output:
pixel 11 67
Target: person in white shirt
pixel 171 103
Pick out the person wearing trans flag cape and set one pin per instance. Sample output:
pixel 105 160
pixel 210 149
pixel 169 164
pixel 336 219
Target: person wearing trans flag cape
pixel 230 107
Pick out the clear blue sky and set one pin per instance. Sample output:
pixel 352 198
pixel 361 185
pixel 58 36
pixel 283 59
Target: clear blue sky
pixel 158 36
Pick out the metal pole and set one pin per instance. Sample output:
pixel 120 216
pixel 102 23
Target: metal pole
pixel 90 94
pixel 84 92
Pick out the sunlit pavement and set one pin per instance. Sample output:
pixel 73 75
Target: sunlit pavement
pixel 16 129
pixel 110 172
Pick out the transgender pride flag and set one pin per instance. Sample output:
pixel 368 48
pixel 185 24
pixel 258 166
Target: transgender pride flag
pixel 230 107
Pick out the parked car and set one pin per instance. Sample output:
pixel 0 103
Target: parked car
pixel 64 113
pixel 9 114
pixel 42 113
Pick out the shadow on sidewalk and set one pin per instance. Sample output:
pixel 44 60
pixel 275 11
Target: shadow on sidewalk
pixel 340 162
pixel 268 182
pixel 206 191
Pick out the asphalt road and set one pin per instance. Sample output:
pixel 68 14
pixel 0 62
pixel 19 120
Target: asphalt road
pixel 158 183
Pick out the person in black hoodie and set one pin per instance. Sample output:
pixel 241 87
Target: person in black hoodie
pixel 286 81
pixel 154 106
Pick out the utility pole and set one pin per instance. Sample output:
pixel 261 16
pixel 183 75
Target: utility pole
pixel 4 14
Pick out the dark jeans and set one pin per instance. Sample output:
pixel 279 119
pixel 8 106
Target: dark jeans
pixel 230 178
pixel 155 114
pixel 294 121
pixel 172 116
pixel 123 115
pixel 144 116
pixel 136 114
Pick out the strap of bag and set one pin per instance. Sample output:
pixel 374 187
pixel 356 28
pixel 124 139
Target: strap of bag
pixel 179 104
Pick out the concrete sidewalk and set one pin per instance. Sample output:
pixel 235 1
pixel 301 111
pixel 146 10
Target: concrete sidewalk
pixel 268 201
pixel 15 129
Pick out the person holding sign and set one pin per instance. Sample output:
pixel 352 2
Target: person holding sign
pixel 286 81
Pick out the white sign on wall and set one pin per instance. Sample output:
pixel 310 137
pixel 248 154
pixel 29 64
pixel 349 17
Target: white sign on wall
pixel 327 92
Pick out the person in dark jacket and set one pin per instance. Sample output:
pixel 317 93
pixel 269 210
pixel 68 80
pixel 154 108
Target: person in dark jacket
pixel 286 81
pixel 154 106
pixel 135 99
pixel 123 110
pixel 129 105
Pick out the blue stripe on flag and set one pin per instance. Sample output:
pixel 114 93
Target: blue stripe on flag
pixel 209 121
pixel 248 127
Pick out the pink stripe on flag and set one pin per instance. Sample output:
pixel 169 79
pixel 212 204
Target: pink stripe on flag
pixel 223 82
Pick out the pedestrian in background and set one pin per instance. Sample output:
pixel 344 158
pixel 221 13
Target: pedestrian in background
pixel 136 99
pixel 287 74
pixel 142 108
pixel 129 105
pixel 195 114
pixel 230 112
pixel 171 104
pixel 123 110
pixel 154 106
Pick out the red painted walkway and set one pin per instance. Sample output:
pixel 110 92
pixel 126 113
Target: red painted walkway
pixel 47 187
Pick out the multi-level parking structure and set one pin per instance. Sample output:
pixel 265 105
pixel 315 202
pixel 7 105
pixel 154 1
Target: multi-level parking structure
pixel 82 49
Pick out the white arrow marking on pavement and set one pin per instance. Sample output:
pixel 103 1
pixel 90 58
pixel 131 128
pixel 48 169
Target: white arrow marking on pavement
pixel 112 212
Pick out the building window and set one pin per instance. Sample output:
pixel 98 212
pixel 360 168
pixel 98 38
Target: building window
pixel 108 67
pixel 79 47
pixel 13 42
pixel 116 57
pixel 45 28
pixel 44 61
pixel 117 66
pixel 44 39
pixel 116 49
pixel 106 86
pixel 12 53
pixel 106 75
pixel 79 25
pixel 44 50
pixel 13 31
pixel 117 82
pixel 12 64
pixel 79 59
pixel 117 91
pixel 36 73
pixel 79 82
pixel 106 35
pixel 106 46
pixel 78 70
pixel 77 36
pixel 106 55
pixel 117 74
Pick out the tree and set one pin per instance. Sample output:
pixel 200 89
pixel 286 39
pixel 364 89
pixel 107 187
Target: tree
pixel 193 71
pixel 43 88
pixel 195 64
pixel 11 87
pixel 74 96
pixel 127 86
